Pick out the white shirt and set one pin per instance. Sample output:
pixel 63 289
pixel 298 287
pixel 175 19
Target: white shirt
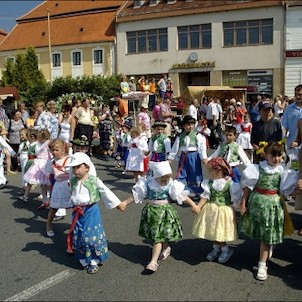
pixel 192 111
pixel 212 110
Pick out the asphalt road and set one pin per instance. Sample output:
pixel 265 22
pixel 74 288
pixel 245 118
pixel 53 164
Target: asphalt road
pixel 37 268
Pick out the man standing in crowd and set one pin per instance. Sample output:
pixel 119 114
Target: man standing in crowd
pixel 212 117
pixel 267 129
pixel 290 117
pixel 132 85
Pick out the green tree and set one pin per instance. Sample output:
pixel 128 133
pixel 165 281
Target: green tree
pixel 24 74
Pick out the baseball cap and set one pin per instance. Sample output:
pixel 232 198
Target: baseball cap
pixel 265 105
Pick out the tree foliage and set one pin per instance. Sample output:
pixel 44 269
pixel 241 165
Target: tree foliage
pixel 24 74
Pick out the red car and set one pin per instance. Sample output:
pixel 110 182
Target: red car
pixel 178 106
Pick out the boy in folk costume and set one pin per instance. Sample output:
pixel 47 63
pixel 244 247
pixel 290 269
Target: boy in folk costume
pixel 192 147
pixel 4 145
pixel 232 152
pixel 159 144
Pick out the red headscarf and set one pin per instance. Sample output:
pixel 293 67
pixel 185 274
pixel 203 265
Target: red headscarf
pixel 219 163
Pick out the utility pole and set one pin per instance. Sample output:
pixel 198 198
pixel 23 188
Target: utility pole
pixel 49 44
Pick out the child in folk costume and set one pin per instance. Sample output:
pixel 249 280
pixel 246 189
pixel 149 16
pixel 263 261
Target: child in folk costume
pixel 36 173
pixel 159 221
pixel 192 146
pixel 216 219
pixel 244 137
pixel 263 210
pixel 232 152
pixel 4 146
pixel 60 192
pixel 137 151
pixel 23 153
pixel 126 139
pixel 31 155
pixel 160 143
pixel 87 238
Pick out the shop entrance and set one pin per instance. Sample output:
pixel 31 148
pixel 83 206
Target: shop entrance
pixel 193 79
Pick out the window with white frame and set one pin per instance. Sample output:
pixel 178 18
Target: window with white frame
pixel 97 56
pixel 195 36
pixel 251 32
pixel 11 59
pixel 76 58
pixel 56 59
pixel 152 40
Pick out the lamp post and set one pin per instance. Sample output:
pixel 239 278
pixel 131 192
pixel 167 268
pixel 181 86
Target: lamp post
pixel 49 43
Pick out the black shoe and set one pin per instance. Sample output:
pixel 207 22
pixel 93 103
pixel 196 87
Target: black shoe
pixel 2 186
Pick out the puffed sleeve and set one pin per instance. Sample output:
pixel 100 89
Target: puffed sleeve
pixel 139 190
pixel 289 179
pixel 250 176
pixel 48 168
pixel 206 189
pixel 177 192
pixel 108 197
pixel 236 193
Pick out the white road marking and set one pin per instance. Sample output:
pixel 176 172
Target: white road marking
pixel 34 290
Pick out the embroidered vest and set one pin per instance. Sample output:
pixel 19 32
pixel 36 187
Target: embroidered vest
pixel 91 185
pixel 191 135
pixel 160 142
pixel 231 149
pixel 222 197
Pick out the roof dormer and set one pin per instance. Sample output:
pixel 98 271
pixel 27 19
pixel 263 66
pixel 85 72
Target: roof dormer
pixel 138 3
pixel 153 2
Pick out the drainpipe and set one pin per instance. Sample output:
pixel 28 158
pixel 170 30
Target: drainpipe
pixel 285 5
pixel 115 42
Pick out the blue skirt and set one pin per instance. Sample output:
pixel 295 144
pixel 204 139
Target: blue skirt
pixel 190 171
pixel 89 238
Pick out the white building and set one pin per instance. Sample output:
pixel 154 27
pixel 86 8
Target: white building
pixel 235 43
pixel 293 53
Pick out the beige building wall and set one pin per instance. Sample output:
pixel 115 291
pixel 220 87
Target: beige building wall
pixel 66 57
pixel 225 58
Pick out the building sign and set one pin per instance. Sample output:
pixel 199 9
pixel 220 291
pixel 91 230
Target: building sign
pixel 193 65
pixel 262 79
pixel 293 53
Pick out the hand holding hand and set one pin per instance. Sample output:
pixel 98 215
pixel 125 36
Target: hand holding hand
pixel 122 206
pixel 242 209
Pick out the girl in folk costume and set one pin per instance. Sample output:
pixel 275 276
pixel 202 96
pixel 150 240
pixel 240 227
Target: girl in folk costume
pixel 263 210
pixel 159 144
pixel 137 150
pixel 87 238
pixel 192 146
pixel 23 153
pixel 4 146
pixel 216 219
pixel 31 155
pixel 244 137
pixel 159 221
pixel 37 174
pixel 60 192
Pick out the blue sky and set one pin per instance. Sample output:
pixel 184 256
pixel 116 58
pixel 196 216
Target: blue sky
pixel 12 10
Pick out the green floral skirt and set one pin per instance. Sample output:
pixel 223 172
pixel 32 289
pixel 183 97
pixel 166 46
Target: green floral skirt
pixel 160 223
pixel 264 219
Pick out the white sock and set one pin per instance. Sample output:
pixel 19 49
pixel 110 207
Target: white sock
pixel 94 262
pixel 216 247
pixel 83 262
pixel 225 248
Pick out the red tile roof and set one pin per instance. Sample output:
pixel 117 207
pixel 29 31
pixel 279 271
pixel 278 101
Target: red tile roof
pixel 71 22
pixel 181 7
pixel 3 34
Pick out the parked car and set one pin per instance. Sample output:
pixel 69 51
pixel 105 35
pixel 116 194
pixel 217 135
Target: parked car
pixel 178 105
